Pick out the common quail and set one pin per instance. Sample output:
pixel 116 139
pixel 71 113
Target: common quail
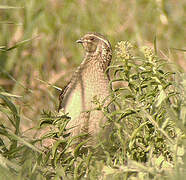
pixel 88 81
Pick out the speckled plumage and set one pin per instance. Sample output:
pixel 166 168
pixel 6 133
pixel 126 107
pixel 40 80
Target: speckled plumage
pixel 88 81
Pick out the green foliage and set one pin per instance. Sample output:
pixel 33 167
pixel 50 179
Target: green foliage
pixel 147 141
pixel 149 102
pixel 148 136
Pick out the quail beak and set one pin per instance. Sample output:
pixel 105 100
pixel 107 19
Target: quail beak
pixel 80 41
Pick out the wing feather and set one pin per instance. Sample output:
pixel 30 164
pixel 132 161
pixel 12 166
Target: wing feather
pixel 62 95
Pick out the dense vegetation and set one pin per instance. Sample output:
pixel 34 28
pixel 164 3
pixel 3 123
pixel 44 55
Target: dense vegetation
pixel 37 54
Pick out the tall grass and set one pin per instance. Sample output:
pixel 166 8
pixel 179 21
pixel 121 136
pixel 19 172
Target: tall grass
pixel 147 140
pixel 37 53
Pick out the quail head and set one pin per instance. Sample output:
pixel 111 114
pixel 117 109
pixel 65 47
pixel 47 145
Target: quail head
pixel 88 82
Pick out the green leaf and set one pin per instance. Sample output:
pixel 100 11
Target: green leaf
pixel 162 96
pixel 10 95
pixel 159 161
pixel 56 145
pixel 21 43
pixel 9 7
pixel 12 107
pixel 21 140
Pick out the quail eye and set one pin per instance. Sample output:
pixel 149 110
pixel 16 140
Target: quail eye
pixel 92 38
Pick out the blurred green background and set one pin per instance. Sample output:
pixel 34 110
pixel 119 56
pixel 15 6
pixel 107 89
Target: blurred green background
pixel 53 27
